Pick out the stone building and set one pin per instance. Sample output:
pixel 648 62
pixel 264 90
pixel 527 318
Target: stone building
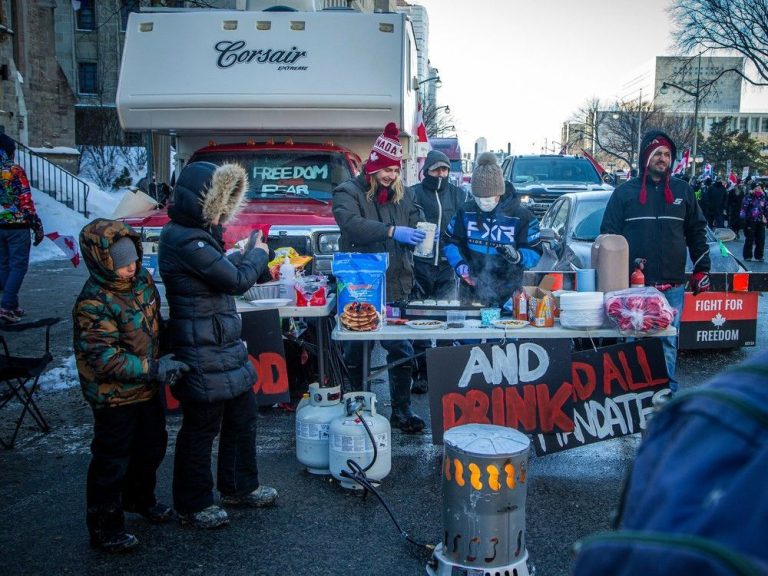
pixel 37 102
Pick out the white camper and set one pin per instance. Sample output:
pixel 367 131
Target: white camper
pixel 231 76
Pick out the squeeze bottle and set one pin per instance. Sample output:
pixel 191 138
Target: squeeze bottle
pixel 288 281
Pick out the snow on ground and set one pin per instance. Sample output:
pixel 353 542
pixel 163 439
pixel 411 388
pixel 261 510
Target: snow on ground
pixel 58 218
pixel 60 378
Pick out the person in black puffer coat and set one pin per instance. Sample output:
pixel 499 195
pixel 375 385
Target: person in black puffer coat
pixel 438 200
pixel 217 394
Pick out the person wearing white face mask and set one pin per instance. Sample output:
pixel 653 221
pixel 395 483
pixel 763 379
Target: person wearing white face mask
pixel 492 238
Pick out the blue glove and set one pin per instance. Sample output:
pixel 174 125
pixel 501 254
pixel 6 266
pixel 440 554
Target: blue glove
pixel 406 235
pixel 463 271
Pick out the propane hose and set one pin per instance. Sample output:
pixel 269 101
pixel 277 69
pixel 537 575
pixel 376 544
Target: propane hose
pixel 356 473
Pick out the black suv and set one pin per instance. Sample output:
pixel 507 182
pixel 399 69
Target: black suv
pixel 541 179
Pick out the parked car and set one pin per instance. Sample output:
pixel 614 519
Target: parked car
pixel 721 319
pixel 541 179
pixel 572 223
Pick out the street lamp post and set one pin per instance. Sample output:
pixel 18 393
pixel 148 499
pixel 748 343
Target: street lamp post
pixel 438 82
pixel 695 93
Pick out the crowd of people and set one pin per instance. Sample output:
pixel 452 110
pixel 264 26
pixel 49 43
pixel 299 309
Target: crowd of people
pixel 483 242
pixel 741 205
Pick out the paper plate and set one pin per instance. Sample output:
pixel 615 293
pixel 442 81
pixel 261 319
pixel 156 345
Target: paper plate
pixel 510 324
pixel 271 302
pixel 426 324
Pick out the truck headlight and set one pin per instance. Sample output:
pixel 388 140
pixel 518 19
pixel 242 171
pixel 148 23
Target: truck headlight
pixel 525 199
pixel 328 242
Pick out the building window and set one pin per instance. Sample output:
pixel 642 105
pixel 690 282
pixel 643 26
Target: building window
pixel 126 7
pixel 86 16
pixel 754 124
pixel 87 77
pixel 743 124
pixel 765 125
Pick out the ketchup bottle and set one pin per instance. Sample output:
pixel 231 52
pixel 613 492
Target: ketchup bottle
pixel 637 280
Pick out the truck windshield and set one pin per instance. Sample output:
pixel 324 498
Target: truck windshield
pixel 286 173
pixel 554 169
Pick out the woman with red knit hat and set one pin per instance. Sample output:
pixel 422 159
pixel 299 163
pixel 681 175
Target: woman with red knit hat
pixel 375 215
pixel 661 220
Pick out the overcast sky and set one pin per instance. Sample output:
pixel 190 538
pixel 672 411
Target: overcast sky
pixel 514 70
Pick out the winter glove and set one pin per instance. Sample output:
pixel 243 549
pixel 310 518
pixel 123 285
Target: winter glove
pixel 166 369
pixel 406 235
pixel 37 229
pixel 463 271
pixel 699 282
pixel 510 254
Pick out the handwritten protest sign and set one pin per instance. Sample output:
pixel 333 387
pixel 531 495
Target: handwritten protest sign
pixel 521 384
pixel 614 388
pixel 539 387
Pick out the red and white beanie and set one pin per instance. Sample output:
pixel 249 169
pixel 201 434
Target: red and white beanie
pixel 645 160
pixel 386 152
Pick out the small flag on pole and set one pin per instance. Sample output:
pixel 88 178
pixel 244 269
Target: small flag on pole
pixel 684 162
pixel 68 245
pixel 595 163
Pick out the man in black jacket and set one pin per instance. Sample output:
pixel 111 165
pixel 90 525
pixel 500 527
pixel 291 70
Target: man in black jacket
pixel 661 219
pixel 216 394
pixel 438 200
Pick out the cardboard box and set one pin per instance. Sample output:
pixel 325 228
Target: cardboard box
pixel 542 307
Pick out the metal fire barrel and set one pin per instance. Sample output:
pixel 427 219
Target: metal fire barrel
pixel 485 470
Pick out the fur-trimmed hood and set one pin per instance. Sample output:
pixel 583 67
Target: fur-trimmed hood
pixel 205 191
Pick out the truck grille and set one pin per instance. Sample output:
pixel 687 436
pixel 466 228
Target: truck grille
pixel 539 208
pixel 301 244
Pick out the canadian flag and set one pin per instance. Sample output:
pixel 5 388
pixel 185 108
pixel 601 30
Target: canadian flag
pixel 732 178
pixel 682 165
pixel 68 245
pixel 420 128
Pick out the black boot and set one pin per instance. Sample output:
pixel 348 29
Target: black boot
pixel 107 530
pixel 419 385
pixel 406 420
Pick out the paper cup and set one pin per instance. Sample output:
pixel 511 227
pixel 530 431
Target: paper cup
pixel 426 247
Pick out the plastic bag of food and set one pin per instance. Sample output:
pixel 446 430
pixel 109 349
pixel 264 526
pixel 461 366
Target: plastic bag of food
pixel 360 289
pixel 311 290
pixel 639 311
pixel 297 260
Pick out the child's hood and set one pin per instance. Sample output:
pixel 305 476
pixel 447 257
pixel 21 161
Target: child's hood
pixel 96 238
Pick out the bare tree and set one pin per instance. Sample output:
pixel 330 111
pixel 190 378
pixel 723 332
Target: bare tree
pixel 612 131
pixel 438 120
pixel 739 26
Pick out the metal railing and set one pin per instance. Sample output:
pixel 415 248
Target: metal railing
pixel 47 177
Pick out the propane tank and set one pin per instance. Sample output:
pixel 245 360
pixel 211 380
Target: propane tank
pixel 349 440
pixel 313 421
pixel 637 280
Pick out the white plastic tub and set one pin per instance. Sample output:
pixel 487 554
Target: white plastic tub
pixel 581 310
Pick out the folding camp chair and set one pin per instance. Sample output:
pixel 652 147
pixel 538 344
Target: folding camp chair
pixel 20 375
